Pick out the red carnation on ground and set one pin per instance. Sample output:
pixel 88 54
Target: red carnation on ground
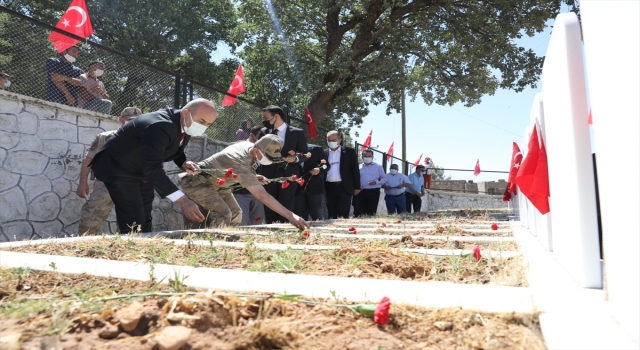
pixel 353 230
pixel 235 176
pixel 285 184
pixel 399 221
pixel 381 314
pixel 221 182
pixel 476 253
pixel 294 177
pixel 257 218
pixel 306 234
pixel 292 152
pixel 494 226
pixel 301 182
pixel 384 225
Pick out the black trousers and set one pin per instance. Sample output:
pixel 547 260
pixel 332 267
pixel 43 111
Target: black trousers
pixel 338 200
pixel 415 201
pixel 286 197
pixel 368 201
pixel 309 205
pixel 132 199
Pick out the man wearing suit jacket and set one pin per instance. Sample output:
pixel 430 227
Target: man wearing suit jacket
pixel 343 176
pixel 310 197
pixel 295 142
pixel 130 163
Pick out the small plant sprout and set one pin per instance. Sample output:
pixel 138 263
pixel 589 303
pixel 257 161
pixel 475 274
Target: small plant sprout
pixel 53 266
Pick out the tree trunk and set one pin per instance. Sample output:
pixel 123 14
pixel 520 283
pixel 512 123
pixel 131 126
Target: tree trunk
pixel 320 106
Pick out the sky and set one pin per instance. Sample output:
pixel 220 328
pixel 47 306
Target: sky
pixel 455 137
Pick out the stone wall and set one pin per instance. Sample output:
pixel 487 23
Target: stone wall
pixel 435 200
pixel 42 145
pixel 483 187
pixel 492 187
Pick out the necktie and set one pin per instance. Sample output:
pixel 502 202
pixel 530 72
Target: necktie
pixel 182 137
pixel 275 132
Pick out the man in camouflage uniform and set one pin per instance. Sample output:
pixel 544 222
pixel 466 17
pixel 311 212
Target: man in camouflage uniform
pixel 217 199
pixel 96 210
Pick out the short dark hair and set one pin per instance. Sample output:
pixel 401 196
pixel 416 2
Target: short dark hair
pixel 5 76
pixel 257 131
pixel 274 110
pixel 95 62
pixel 419 167
pixel 76 46
pixel 394 165
pixel 367 151
pixel 243 125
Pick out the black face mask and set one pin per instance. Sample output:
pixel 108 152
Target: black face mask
pixel 267 123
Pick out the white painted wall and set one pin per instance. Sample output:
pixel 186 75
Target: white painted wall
pixel 612 53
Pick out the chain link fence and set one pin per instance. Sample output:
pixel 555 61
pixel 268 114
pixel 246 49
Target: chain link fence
pixel 27 55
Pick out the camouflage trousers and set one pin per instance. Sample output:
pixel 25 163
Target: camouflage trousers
pixel 218 205
pixel 96 210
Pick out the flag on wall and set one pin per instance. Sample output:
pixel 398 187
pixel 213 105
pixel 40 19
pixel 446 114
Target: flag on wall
pixel 367 142
pixel 533 176
pixel 476 170
pixel 390 152
pixel 236 88
pixel 516 160
pixel 313 132
pixel 417 162
pixel 75 21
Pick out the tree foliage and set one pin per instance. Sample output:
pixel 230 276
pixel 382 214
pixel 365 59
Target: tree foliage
pixel 438 173
pixel 337 57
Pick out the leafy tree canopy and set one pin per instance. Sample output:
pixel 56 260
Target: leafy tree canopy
pixel 337 56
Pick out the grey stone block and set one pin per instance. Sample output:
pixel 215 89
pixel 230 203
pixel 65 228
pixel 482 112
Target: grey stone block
pixel 27 123
pixel 18 230
pixel 57 130
pixel 157 217
pixel 8 122
pixel 55 169
pixel 47 229
pixel 10 105
pixel 67 117
pixel 8 179
pixel 86 135
pixel 62 187
pixel 71 211
pixel 9 140
pixel 26 162
pixel 55 148
pixel 44 207
pixel 3 156
pixel 33 186
pixel 12 205
pixel 91 122
pixel 29 143
pixel 43 112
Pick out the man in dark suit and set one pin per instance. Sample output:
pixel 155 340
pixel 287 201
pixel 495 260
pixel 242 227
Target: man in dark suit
pixel 343 176
pixel 295 149
pixel 130 163
pixel 310 197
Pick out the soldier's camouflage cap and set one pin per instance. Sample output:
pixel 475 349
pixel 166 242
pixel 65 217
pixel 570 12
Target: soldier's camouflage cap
pixel 271 145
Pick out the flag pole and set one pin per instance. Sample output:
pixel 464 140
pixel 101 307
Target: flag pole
pixel 405 166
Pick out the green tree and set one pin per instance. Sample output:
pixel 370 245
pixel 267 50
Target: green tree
pixel 438 173
pixel 337 57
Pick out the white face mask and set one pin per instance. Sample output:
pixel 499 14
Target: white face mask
pixel 7 83
pixel 393 171
pixel 69 58
pixel 98 72
pixel 264 160
pixel 367 160
pixel 332 144
pixel 195 129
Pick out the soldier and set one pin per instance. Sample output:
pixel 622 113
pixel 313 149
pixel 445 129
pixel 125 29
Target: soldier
pixel 96 210
pixel 215 195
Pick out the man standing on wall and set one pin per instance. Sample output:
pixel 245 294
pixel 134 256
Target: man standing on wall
pixel 63 77
pixel 372 177
pixel 415 193
pixel 310 198
pixel 130 163
pixel 294 150
pixel 96 210
pixel 428 164
pixel 343 176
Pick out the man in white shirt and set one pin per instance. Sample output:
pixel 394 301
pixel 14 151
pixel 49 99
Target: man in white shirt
pixel 343 177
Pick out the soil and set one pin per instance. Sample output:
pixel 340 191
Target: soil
pixel 371 260
pixel 44 310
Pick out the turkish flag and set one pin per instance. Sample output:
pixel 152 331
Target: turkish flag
pixel 236 88
pixel 367 142
pixel 417 162
pixel 590 120
pixel 516 160
pixel 312 124
pixel 390 152
pixel 75 21
pixel 533 176
pixel 476 171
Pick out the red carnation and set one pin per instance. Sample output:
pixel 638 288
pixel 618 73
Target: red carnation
pixel 381 314
pixel 294 177
pixel 384 225
pixel 229 173
pixel 308 154
pixel 399 221
pixel 257 218
pixel 476 253
pixel 323 161
pixel 494 226
pixel 285 184
pixel 235 176
pixel 306 234
pixel 301 182
pixel 221 182
pixel 353 230
pixel 292 152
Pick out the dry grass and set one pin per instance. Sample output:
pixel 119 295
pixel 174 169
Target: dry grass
pixel 70 311
pixel 372 260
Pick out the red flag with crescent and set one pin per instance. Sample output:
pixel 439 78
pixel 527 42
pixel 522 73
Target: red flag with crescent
pixel 313 132
pixel 367 142
pixel 533 175
pixel 390 152
pixel 75 21
pixel 236 88
pixel 516 160
pixel 417 162
pixel 476 170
